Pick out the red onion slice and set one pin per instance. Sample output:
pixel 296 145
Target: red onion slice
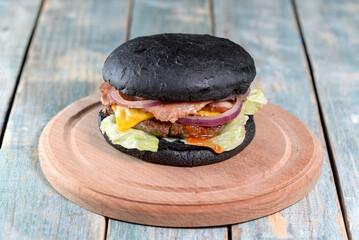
pixel 114 94
pixel 246 94
pixel 232 97
pixel 215 120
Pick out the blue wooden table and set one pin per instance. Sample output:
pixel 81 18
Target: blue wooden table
pixel 52 52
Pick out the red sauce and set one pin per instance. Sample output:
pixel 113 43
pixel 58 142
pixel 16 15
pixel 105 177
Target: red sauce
pixel 203 141
pixel 217 149
pixel 196 140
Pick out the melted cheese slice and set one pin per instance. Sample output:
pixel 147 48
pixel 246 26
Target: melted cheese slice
pixel 207 113
pixel 206 142
pixel 129 117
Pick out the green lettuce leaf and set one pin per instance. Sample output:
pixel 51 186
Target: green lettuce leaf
pixel 255 100
pixel 131 138
pixel 232 134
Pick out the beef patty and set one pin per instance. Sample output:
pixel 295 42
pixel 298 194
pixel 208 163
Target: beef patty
pixel 167 129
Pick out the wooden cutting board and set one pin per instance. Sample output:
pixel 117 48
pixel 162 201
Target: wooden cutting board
pixel 278 168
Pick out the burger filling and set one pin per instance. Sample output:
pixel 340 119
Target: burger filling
pixel 134 122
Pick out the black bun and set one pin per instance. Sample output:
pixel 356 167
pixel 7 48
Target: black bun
pixel 180 67
pixel 182 155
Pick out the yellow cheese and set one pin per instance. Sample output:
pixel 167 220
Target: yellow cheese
pixel 207 113
pixel 129 117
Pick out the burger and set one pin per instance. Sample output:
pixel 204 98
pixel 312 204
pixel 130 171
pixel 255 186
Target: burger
pixel 179 99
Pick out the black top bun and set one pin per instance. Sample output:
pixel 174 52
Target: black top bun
pixel 180 67
pixel 182 155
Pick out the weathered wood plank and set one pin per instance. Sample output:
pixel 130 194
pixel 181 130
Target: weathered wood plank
pixel 123 230
pixel 267 29
pixel 64 64
pixel 17 18
pixel 162 16
pixel 331 32
pixel 159 16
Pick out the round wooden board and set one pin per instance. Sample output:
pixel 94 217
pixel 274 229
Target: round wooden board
pixel 278 168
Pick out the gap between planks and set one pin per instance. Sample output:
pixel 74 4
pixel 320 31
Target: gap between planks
pixel 324 126
pixel 129 19
pixel 127 36
pixel 229 232
pixel 107 226
pixel 213 33
pixel 23 62
pixel 212 17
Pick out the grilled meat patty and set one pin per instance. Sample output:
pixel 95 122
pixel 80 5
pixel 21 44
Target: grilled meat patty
pixel 168 129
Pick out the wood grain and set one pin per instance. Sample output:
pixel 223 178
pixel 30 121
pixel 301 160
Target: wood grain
pixel 158 16
pixel 64 63
pixel 268 31
pixel 163 16
pixel 17 18
pixel 331 34
pixel 280 166
pixel 126 230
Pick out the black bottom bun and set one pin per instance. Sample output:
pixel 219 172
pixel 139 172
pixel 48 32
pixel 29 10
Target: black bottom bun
pixel 182 155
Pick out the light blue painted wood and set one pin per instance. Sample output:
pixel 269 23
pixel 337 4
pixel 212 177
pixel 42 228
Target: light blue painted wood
pixel 267 29
pixel 162 16
pixel 331 32
pixel 121 230
pixel 17 18
pixel 64 64
pixel 159 16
